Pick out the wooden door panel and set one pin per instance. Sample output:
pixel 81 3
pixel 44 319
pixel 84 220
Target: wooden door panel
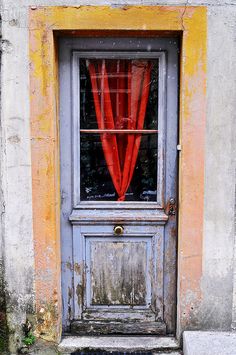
pixel 121 281
pixel 121 277
pixel 118 272
pixel 113 327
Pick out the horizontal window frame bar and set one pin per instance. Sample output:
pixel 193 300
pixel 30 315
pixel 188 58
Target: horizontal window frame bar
pixel 120 131
pixel 120 54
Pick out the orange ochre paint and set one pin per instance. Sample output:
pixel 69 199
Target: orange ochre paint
pixel 45 22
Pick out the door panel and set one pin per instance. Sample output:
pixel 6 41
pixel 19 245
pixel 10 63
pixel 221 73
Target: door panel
pixel 118 283
pixel 120 279
pixel 117 272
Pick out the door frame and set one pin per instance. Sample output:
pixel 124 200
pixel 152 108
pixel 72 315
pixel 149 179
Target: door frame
pixel 45 24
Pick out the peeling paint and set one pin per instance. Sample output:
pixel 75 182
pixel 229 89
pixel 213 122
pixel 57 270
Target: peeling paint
pixel 77 268
pixel 14 139
pixel 45 326
pixel 80 294
pixel 69 266
pixel 6 46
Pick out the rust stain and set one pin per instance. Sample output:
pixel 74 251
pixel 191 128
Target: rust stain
pixel 173 232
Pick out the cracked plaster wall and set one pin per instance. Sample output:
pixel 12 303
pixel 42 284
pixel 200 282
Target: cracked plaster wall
pixel 16 228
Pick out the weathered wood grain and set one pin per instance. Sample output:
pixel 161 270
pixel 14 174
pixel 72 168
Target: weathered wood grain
pixel 134 315
pixel 97 328
pixel 118 273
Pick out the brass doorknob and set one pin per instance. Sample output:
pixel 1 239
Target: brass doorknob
pixel 118 230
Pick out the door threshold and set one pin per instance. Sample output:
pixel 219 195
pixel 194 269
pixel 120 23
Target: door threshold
pixel 123 328
pixel 70 344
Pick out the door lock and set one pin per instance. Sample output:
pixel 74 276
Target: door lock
pixel 170 209
pixel 118 230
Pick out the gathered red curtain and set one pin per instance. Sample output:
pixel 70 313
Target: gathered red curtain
pixel 120 92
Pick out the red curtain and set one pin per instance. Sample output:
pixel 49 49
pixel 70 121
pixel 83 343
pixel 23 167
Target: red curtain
pixel 120 92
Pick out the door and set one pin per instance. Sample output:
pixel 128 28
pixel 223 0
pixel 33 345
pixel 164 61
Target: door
pixel 118 134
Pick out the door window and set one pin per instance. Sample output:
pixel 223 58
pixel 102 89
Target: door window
pixel 118 129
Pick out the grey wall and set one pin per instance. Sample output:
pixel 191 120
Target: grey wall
pixel 219 235
pixel 3 321
pixel 219 230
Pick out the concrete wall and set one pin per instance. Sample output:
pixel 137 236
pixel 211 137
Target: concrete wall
pixel 16 203
pixel 3 322
pixel 220 169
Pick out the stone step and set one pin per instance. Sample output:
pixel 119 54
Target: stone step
pixel 128 344
pixel 209 343
pixel 167 352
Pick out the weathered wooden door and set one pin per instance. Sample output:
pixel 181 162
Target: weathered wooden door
pixel 118 133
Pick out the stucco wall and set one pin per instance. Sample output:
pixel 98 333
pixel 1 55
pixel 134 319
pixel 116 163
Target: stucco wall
pixel 3 323
pixel 220 169
pixel 218 257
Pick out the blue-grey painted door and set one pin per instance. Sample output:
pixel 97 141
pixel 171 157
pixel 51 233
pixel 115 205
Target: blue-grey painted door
pixel 118 248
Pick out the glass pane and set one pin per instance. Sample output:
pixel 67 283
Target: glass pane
pixel 87 109
pixel 96 182
pixel 118 94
